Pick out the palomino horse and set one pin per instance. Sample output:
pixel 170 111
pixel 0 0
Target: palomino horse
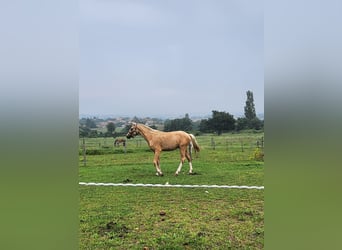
pixel 118 141
pixel 166 141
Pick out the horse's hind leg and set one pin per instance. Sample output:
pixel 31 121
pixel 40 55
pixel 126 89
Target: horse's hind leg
pixel 179 168
pixel 183 155
pixel 188 157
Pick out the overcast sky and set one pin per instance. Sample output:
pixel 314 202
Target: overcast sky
pixel 151 58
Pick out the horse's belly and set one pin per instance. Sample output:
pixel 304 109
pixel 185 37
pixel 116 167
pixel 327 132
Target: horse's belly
pixel 169 149
pixel 169 146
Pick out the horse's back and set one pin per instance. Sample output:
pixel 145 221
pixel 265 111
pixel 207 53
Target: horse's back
pixel 173 140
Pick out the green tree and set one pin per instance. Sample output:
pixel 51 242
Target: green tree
pixel 250 108
pixel 187 123
pixel 90 123
pixel 110 128
pixel 204 126
pixel 93 134
pixel 221 122
pixel 256 124
pixel 84 131
pixel 241 123
pixel 184 124
pixel 250 120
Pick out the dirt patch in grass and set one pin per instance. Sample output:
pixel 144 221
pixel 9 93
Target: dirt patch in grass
pixel 112 229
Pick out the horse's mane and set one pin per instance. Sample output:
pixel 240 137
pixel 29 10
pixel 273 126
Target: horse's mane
pixel 149 128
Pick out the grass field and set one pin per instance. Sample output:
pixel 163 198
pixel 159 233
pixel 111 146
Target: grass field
pixel 172 218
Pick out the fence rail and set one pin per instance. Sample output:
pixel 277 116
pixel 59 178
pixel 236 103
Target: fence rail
pixel 241 146
pixel 168 185
pixel 212 142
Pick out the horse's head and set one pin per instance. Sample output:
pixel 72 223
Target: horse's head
pixel 133 131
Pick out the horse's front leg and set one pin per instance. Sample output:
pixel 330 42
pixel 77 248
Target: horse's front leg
pixel 156 163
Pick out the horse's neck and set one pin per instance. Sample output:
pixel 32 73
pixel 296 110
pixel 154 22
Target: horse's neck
pixel 145 132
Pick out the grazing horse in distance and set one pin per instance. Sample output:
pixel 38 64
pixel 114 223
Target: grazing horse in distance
pixel 118 141
pixel 159 141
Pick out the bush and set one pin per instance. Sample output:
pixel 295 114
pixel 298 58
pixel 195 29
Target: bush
pixel 258 155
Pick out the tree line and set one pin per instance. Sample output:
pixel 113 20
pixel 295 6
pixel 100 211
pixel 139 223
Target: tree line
pixel 219 123
pixel 222 121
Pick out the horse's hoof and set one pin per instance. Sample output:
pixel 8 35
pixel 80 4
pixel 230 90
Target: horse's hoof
pixel 176 174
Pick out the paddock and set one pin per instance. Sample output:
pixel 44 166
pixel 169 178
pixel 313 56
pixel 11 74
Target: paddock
pixel 131 208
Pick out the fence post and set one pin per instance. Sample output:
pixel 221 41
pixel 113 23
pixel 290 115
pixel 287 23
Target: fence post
pixel 213 143
pixel 84 153
pixel 241 146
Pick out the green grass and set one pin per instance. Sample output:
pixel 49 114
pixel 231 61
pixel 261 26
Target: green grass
pixel 195 218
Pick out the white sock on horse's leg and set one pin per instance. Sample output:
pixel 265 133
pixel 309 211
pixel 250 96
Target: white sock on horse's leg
pixel 179 168
pixel 156 163
pixel 190 165
pixel 159 172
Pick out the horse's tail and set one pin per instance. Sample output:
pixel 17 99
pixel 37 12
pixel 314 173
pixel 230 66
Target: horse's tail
pixel 194 143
